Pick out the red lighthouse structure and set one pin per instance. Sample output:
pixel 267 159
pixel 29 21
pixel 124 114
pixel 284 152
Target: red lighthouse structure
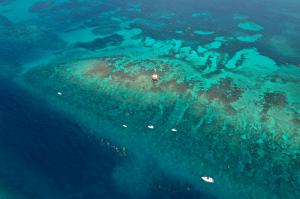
pixel 155 75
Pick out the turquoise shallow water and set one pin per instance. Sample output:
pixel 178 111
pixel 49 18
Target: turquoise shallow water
pixel 226 106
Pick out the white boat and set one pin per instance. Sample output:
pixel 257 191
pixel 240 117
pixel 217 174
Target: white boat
pixel 208 179
pixel 150 126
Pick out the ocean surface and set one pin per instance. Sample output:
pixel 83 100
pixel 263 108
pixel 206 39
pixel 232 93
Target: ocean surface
pixel 80 116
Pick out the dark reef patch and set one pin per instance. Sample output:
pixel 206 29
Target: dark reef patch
pixel 76 28
pixel 296 121
pixel 6 1
pixel 99 43
pixel 4 21
pixel 105 29
pixel 275 99
pixel 102 24
pixel 226 91
pixel 42 6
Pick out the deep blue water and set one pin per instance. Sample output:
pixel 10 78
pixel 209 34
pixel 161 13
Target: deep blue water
pixel 45 155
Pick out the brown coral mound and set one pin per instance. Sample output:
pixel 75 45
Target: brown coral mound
pixel 273 100
pixel 225 92
pixel 101 69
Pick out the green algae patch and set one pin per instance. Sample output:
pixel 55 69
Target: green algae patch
pixel 81 35
pixel 149 41
pixel 214 45
pixel 163 48
pixel 233 62
pixel 129 37
pixel 179 31
pixel 248 58
pixel 129 33
pixel 240 17
pixel 249 38
pixel 202 32
pixel 253 58
pixel 250 26
pixel 154 25
pixel 201 49
pixel 212 62
pixel 221 39
pixel 166 15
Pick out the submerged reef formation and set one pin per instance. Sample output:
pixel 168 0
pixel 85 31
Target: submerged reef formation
pixel 226 104
pixel 250 26
pixel 230 127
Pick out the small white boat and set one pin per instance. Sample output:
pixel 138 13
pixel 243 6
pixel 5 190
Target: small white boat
pixel 208 179
pixel 174 130
pixel 124 125
pixel 59 93
pixel 150 126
